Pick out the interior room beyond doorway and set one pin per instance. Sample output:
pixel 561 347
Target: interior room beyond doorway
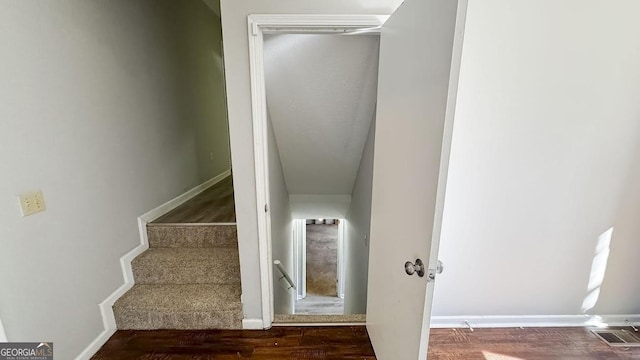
pixel 322 273
pixel 320 109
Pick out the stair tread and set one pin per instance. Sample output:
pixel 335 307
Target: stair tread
pixel 187 266
pixel 183 297
pixel 189 254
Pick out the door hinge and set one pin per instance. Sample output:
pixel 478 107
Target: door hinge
pixel 266 208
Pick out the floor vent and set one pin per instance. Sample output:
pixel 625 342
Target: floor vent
pixel 622 338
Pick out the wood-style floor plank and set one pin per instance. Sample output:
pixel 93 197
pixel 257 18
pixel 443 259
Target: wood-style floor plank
pixel 352 342
pixel 214 205
pixel 524 344
pixel 349 342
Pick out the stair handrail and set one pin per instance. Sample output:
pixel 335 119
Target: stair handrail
pixel 284 273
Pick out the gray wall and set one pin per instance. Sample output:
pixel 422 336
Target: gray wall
pixel 93 113
pixel 234 23
pixel 544 160
pixel 202 89
pixel 357 229
pixel 281 227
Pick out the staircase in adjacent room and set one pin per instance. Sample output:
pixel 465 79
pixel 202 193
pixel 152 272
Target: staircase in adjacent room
pixel 189 278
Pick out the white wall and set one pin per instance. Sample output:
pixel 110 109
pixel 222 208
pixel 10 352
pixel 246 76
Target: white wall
pixel 357 233
pixel 202 87
pixel 546 134
pixel 620 292
pixel 281 227
pixel 319 206
pixel 90 115
pixel 234 24
pixel 321 93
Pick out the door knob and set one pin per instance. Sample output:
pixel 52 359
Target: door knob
pixel 438 270
pixel 414 268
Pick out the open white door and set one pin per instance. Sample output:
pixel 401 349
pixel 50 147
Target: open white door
pixel 420 49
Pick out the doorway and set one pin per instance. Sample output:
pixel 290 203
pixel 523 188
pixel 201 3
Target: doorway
pixel 320 287
pixel 320 92
pixel 420 52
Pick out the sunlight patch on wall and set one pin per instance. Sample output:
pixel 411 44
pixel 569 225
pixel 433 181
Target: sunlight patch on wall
pixel 598 269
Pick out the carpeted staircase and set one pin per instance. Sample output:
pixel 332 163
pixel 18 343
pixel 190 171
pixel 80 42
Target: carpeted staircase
pixel 189 278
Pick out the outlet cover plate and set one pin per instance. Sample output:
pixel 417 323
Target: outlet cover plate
pixel 32 202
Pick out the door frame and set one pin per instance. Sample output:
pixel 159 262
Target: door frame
pixel 258 25
pixel 300 257
pixel 341 259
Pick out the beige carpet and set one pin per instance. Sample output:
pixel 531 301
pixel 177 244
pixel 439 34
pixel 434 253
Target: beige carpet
pixel 322 259
pixel 189 278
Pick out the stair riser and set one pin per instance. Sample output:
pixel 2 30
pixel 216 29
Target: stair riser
pixel 148 272
pixel 148 319
pixel 197 236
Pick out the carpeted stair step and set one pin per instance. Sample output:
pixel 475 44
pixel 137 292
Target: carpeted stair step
pixel 192 235
pixel 192 306
pixel 187 266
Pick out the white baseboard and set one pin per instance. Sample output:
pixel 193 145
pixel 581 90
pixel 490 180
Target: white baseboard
pixel 95 345
pixel 252 324
pixel 533 321
pixel 106 307
pixel 181 199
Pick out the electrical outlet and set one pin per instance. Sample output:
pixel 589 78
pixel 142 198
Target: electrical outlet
pixel 31 202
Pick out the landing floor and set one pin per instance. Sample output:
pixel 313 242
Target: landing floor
pixel 214 205
pixel 353 343
pixel 320 305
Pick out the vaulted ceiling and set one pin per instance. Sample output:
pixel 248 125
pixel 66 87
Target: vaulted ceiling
pixel 321 95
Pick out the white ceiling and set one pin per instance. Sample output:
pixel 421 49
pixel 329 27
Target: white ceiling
pixel 321 94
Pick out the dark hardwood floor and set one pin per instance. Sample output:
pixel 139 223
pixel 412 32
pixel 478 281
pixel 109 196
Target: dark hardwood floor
pixel 214 205
pixel 524 344
pixel 352 342
pixel 348 342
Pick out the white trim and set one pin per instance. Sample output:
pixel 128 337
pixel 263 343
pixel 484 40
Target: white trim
pixel 299 257
pixel 321 324
pixel 533 321
pixel 259 115
pixel 95 345
pixel 252 324
pixel 290 23
pixel 106 307
pixel 341 262
pixel 3 334
pixel 306 23
pixel 303 248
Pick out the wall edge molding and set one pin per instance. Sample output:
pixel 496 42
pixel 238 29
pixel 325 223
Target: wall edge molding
pixel 95 345
pixel 106 306
pixel 498 321
pixel 3 334
pixel 252 324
